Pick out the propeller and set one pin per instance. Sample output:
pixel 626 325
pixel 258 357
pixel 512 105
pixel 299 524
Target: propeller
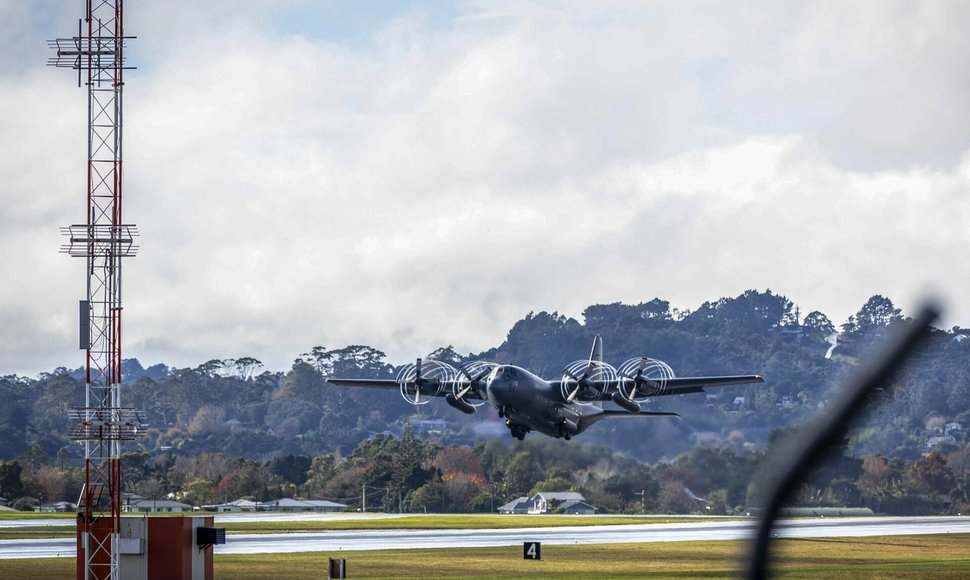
pixel 425 378
pixel 418 382
pixel 650 373
pixel 590 376
pixel 628 401
pixel 474 382
pixel 476 373
pixel 595 356
pixel 581 382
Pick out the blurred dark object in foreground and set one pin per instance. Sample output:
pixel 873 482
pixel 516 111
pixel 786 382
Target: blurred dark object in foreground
pixel 804 455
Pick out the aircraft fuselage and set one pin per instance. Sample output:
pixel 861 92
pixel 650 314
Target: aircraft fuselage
pixel 529 403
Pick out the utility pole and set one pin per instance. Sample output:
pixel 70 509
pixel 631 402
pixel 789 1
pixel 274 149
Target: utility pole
pixel 643 501
pixel 363 498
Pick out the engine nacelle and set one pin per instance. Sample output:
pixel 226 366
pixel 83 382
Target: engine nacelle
pixel 460 404
pixel 649 375
pixel 567 427
pixel 628 404
pixel 600 377
pixel 424 380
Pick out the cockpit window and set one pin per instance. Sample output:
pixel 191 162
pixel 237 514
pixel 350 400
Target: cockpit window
pixel 495 372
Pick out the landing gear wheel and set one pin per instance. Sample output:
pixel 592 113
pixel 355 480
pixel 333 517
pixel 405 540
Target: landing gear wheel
pixel 518 431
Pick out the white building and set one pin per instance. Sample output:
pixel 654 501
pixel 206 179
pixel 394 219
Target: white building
pixel 560 502
pixel 157 506
pixel 57 507
pixel 519 505
pixel 564 502
pixel 297 505
pixel 239 505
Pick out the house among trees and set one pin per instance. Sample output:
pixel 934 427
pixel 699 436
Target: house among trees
pixel 143 505
pixel 940 440
pixel 519 505
pixel 276 505
pixel 430 426
pixel 297 505
pixel 56 507
pixel 559 502
pixel 239 505
pixel 322 505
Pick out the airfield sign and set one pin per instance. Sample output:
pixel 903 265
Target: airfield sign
pixel 532 550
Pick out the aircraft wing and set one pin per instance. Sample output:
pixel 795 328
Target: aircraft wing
pixel 627 414
pixel 685 385
pixel 428 388
pixel 671 386
pixel 369 383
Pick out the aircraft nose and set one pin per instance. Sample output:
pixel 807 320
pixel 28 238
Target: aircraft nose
pixel 496 372
pixel 494 379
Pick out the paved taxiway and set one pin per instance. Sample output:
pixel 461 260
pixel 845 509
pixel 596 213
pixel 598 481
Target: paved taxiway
pixel 349 540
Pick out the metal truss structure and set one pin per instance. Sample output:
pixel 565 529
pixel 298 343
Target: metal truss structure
pixel 104 239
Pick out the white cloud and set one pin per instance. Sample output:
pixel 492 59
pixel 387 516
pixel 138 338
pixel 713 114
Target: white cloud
pixel 434 183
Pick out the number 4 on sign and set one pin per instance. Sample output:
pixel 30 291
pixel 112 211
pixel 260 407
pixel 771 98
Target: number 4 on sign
pixel 531 551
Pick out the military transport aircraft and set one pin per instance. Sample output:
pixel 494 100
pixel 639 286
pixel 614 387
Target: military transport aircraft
pixel 557 408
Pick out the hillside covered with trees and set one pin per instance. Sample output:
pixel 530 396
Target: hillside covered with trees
pixel 229 428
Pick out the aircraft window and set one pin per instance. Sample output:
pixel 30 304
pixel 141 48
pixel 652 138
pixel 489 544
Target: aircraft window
pixel 495 373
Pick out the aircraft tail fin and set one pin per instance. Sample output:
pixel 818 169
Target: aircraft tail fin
pixel 596 358
pixel 596 355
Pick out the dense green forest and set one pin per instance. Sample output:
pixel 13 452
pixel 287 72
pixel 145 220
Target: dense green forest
pixel 229 428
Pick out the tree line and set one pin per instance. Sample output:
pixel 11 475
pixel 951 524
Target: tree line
pixel 410 474
pixel 241 418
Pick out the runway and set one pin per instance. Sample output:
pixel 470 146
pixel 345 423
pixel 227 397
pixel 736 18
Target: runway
pixel 351 540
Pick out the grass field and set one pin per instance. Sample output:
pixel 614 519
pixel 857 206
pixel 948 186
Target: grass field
pixel 941 557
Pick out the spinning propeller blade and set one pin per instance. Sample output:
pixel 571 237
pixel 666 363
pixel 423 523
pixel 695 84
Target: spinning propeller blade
pixel 625 399
pixel 579 385
pixel 474 383
pixel 417 382
pixel 595 360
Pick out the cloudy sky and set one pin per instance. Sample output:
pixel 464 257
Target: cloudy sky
pixel 416 174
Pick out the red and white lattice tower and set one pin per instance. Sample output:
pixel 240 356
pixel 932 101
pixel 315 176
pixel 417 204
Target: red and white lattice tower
pixel 103 239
